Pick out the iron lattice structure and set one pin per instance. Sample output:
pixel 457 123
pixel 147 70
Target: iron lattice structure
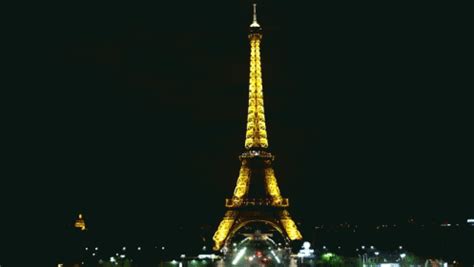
pixel 256 197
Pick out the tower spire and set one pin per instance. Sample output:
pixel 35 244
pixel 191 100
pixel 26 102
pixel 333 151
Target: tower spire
pixel 256 134
pixel 254 22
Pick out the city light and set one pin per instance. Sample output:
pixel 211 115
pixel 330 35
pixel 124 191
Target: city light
pixel 207 256
pixel 327 256
pixel 403 255
pixel 274 255
pixel 389 265
pixel 306 250
pixel 239 256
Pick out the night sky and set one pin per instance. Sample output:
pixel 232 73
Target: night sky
pixel 137 111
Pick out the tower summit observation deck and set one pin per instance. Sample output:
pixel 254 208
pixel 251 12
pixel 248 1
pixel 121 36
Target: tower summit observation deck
pixel 257 197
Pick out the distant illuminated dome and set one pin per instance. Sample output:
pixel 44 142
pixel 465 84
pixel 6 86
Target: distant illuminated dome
pixel 80 223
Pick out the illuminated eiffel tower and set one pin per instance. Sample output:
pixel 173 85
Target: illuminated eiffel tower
pixel 256 196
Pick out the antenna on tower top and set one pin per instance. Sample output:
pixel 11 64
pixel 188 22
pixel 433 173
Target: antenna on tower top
pixel 254 22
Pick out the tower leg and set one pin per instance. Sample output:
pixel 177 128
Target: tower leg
pixel 290 226
pixel 224 228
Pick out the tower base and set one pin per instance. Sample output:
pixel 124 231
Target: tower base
pixel 235 219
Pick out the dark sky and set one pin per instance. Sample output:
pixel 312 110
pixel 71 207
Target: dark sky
pixel 138 111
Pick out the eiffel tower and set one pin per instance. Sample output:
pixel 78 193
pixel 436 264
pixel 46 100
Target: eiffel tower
pixel 256 196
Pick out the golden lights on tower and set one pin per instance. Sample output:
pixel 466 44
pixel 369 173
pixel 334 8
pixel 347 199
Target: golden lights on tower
pixel 272 187
pixel 223 229
pixel 242 182
pixel 290 226
pixel 256 135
